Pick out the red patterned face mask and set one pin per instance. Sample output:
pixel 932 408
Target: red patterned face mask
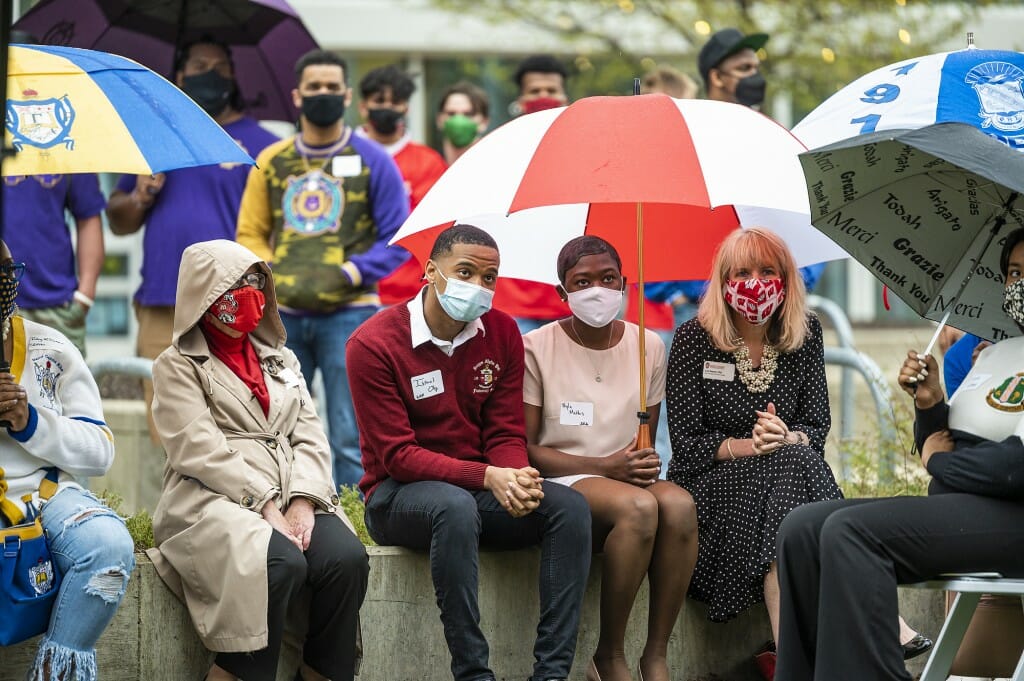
pixel 240 308
pixel 755 299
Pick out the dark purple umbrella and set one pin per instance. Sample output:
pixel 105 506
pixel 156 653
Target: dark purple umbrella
pixel 266 38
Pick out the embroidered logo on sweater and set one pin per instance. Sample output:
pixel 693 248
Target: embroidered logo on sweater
pixel 47 370
pixel 1008 395
pixel 486 375
pixel 313 204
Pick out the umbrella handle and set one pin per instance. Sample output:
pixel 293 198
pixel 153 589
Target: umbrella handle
pixel 643 433
pixel 935 336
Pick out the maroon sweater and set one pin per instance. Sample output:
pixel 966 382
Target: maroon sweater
pixel 450 435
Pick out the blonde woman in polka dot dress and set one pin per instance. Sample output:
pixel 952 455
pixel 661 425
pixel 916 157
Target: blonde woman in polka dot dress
pixel 748 416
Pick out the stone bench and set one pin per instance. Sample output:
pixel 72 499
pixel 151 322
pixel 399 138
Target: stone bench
pixel 152 638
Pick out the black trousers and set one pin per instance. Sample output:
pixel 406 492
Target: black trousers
pixel 335 568
pixel 840 562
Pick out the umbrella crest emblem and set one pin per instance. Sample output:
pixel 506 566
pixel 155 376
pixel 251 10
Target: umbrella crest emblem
pixel 998 86
pixel 1008 395
pixel 313 204
pixel 41 123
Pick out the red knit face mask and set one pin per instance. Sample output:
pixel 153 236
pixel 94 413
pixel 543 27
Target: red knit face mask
pixel 240 308
pixel 541 104
pixel 755 299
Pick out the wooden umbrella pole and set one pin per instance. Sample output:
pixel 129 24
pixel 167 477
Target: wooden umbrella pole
pixel 643 436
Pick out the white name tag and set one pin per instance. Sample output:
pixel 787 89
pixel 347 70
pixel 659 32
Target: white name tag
pixel 974 381
pixel 427 385
pixel 289 377
pixel 719 371
pixel 577 414
pixel 346 166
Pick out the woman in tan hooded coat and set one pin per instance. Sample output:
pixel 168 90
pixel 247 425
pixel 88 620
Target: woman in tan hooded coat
pixel 249 513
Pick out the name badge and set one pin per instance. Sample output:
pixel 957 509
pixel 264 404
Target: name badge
pixel 289 377
pixel 719 371
pixel 346 166
pixel 427 385
pixel 577 414
pixel 972 382
pixel 975 381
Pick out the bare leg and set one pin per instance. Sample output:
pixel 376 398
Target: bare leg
pixel 218 674
pixel 771 598
pixel 675 554
pixel 906 633
pixel 625 523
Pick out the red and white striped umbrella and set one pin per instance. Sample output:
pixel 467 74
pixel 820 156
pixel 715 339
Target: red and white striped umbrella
pixel 700 169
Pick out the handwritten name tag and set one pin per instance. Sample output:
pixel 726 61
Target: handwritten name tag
pixel 427 385
pixel 972 382
pixel 577 414
pixel 289 377
pixel 346 166
pixel 719 371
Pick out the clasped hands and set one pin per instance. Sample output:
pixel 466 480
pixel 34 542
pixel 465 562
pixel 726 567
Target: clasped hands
pixel 296 523
pixel 518 490
pixel 13 402
pixel 771 432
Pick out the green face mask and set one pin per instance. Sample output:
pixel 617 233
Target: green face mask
pixel 460 130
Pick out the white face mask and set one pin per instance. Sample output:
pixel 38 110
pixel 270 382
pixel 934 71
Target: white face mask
pixel 596 306
pixel 463 301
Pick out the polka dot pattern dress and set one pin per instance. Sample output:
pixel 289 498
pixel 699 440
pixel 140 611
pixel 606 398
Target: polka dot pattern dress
pixel 741 503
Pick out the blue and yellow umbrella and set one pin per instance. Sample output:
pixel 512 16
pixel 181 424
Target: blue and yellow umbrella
pixel 71 110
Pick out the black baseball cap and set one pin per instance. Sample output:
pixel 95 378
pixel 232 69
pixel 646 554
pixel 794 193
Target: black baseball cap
pixel 726 43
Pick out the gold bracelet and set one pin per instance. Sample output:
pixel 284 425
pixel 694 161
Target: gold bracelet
pixel 728 448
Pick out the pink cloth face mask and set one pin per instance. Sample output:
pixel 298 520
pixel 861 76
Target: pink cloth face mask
pixel 755 299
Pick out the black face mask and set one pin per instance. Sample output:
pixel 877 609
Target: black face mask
pixel 750 90
pixel 384 120
pixel 323 111
pixel 209 90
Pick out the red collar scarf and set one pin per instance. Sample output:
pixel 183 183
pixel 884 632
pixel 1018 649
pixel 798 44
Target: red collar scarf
pixel 239 355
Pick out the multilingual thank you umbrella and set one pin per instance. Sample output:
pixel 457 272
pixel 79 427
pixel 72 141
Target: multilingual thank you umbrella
pixel 925 211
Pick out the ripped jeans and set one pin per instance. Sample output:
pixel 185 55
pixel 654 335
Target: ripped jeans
pixel 95 555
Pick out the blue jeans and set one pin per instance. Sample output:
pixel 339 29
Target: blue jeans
pixel 452 523
pixel 319 342
pixel 95 556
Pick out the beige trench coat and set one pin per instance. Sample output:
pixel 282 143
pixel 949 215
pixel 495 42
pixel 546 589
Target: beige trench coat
pixel 225 459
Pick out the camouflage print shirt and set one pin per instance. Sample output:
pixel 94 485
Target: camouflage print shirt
pixel 323 216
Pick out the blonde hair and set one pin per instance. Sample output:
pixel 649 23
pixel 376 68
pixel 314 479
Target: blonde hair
pixel 755 247
pixel 672 82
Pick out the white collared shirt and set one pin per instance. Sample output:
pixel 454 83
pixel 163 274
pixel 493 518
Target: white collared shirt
pixel 421 332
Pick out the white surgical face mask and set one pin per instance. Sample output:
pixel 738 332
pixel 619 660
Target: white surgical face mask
pixel 596 306
pixel 463 301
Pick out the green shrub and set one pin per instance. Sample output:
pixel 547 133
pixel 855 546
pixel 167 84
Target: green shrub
pixel 352 504
pixel 884 464
pixel 140 525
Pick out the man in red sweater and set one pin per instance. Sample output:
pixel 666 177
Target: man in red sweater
pixel 438 388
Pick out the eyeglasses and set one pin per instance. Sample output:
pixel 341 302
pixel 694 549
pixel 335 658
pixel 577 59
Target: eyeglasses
pixel 13 270
pixel 255 279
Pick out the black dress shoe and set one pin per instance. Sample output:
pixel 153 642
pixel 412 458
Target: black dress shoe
pixel 918 645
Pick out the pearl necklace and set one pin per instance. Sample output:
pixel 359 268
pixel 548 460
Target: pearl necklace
pixel 757 380
pixel 611 334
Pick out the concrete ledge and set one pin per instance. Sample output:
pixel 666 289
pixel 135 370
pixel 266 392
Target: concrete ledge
pixel 151 637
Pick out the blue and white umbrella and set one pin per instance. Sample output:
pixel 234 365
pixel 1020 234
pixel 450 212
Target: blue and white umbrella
pixel 983 88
